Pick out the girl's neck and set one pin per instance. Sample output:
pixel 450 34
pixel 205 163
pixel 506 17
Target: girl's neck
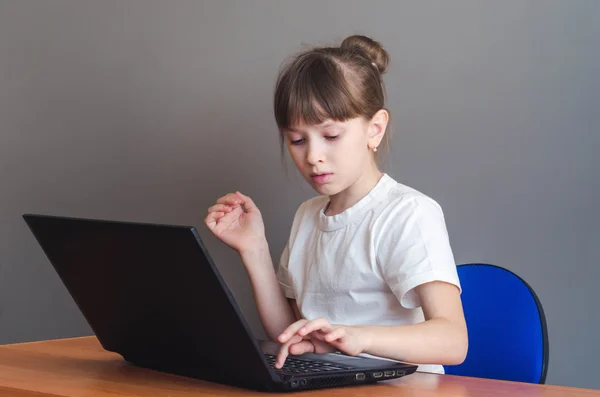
pixel 354 193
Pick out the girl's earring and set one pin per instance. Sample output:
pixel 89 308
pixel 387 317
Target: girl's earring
pixel 374 149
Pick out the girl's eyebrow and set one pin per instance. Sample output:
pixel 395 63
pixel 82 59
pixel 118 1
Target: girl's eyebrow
pixel 326 124
pixel 332 125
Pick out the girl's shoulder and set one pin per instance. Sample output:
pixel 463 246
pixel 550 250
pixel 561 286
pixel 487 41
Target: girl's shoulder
pixel 408 213
pixel 399 197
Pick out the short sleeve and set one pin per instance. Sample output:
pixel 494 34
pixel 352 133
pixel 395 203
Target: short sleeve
pixel 414 249
pixel 287 279
pixel 283 275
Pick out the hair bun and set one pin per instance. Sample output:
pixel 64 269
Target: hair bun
pixel 371 48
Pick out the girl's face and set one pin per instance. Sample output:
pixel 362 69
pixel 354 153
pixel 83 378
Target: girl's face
pixel 333 155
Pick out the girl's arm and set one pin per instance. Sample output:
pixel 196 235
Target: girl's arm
pixel 440 339
pixel 237 221
pixel 275 312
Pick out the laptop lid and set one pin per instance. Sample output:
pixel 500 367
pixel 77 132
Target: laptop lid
pixel 152 294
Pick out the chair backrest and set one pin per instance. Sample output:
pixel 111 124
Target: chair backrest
pixel 508 336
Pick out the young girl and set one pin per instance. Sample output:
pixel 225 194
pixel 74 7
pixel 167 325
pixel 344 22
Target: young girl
pixel 368 267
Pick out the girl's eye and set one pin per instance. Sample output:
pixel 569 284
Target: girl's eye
pixel 332 138
pixel 297 141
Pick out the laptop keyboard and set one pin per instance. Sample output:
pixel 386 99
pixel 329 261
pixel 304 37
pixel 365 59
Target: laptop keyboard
pixel 297 366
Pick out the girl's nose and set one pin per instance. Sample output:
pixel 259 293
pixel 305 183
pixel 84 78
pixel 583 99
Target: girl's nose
pixel 314 154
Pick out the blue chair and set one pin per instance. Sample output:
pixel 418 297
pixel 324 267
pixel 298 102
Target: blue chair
pixel 508 337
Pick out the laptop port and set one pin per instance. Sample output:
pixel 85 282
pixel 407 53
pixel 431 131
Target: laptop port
pixel 377 374
pixel 303 382
pixel 294 383
pixel 400 373
pixel 360 376
pixel 389 373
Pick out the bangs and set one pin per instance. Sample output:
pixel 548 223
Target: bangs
pixel 311 90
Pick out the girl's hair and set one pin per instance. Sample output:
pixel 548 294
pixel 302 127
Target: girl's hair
pixel 337 83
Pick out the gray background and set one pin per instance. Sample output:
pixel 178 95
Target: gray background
pixel 150 110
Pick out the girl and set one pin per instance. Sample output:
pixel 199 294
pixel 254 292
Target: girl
pixel 368 268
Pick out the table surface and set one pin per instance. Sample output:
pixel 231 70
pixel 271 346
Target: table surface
pixel 80 367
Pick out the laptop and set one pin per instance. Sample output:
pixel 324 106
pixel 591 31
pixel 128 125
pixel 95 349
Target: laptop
pixel 152 294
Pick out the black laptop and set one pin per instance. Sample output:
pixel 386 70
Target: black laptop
pixel 152 294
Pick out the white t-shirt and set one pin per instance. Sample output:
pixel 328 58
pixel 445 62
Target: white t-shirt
pixel 360 267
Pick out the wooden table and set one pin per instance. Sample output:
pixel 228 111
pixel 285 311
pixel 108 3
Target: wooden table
pixel 80 367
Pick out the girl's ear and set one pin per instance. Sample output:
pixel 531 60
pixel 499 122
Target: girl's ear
pixel 377 127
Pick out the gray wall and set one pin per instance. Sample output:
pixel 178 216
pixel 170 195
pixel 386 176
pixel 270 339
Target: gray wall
pixel 150 110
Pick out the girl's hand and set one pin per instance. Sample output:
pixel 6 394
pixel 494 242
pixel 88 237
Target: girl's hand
pixel 236 221
pixel 318 336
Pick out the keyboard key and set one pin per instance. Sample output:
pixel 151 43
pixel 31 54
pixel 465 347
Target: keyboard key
pixel 295 365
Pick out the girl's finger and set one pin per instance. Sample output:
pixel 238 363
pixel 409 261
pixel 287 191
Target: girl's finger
pixel 322 347
pixel 284 350
pixel 315 325
pixel 336 334
pixel 302 347
pixel 249 205
pixel 230 199
pixel 318 335
pixel 291 331
pixel 212 218
pixel 220 208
